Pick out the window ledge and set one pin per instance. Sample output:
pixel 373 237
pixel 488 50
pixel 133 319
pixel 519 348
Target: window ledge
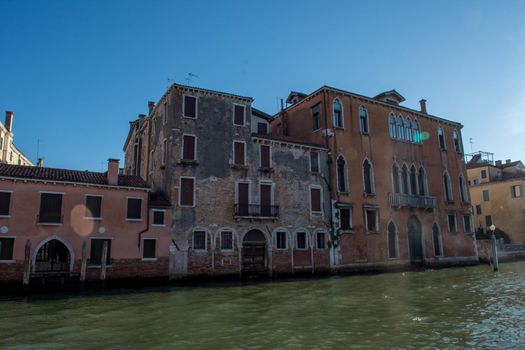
pixel 339 127
pixel 97 266
pixel 199 251
pixel 49 223
pixel 7 261
pixel 193 118
pixel 282 249
pixel 239 167
pixel 156 225
pixel 92 218
pixel 316 213
pixel 346 193
pixel 369 194
pixel 149 259
pixel 365 133
pixel 134 220
pixel 266 169
pixel 395 258
pixel 372 232
pixel 239 125
pixel 227 251
pixel 188 162
pixel 346 230
pixel 5 216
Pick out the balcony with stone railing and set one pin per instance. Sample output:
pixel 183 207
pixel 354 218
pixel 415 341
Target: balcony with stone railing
pixel 400 200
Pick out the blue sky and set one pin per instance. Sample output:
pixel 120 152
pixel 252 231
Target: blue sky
pixel 75 72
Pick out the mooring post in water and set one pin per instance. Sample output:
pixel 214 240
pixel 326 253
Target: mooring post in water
pixel 83 266
pixel 27 262
pixel 103 262
pixel 494 248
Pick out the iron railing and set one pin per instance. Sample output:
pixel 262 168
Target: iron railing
pixel 400 200
pixel 256 211
pixel 50 219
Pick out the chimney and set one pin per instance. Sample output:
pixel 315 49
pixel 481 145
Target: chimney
pixel 40 162
pixel 9 120
pixel 507 161
pixel 151 105
pixel 113 172
pixel 423 105
pixel 498 163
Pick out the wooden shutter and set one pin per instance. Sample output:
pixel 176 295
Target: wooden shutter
pixel 238 153
pixel 134 208
pixel 238 118
pixel 186 188
pixel 50 207
pixel 5 199
pixel 243 198
pixel 266 199
pixel 93 204
pixel 314 161
pixel 188 147
pixel 262 128
pixel 149 249
pixel 190 104
pixel 265 156
pixel 315 199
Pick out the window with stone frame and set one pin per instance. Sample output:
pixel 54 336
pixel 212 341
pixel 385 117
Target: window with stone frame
pixel 189 146
pixel 316 117
pixel 5 203
pixel 281 241
pixel 321 240
pixel 6 248
pixel 239 115
pixel 199 240
pixel 149 248
pixel 226 240
pixel 190 107
pixel 371 219
pixel 452 225
pixel 302 240
pixel 345 219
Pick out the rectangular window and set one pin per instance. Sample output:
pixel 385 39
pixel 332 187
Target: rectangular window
pixel 238 153
pixel 262 128
pixel 5 201
pixel 188 147
pixel 6 248
pixel 316 117
pixel 165 113
pixel 149 249
pixel 93 206
pixel 467 222
pixel 488 221
pixel 265 156
pixel 158 217
pixel 243 198
pixel 164 152
pixel 190 107
pixel 345 218
pixel 515 191
pixel 187 192
pixel 483 174
pixel 321 240
pixel 281 240
pixel 50 208
pixel 486 197
pixel 226 240
pixel 301 240
pixel 314 162
pixel 134 208
pixel 238 115
pixel 452 228
pixel 315 200
pixel 97 247
pixel 371 218
pixel 478 209
pixel 265 199
pixel 199 240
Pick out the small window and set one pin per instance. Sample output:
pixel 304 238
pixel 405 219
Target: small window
pixel 281 240
pixel 486 196
pixel 199 240
pixel 6 248
pixel 226 240
pixel 164 152
pixel 478 209
pixel 400 128
pixel 93 206
pixel 149 249
pixel 395 179
pixel 515 191
pixel 188 147
pixel 436 237
pixel 447 187
pixel 262 128
pixel 392 125
pixel 190 107
pixel 301 240
pixel 165 114
pixel 467 223
pixel 452 228
pixel 315 200
pixel 158 217
pixel 134 208
pixel 316 117
pixel 5 201
pixel 463 190
pixel 417 132
pixel 187 192
pixel 345 219
pixel 50 208
pixel 265 156
pixel 239 153
pixel 314 162
pixel 97 250
pixel 457 146
pixel 483 174
pixel 363 120
pixel 341 175
pixel 488 221
pixel 337 114
pixel 441 138
pixel 392 241
pixel 368 176
pixel 321 240
pixel 371 218
pixel 408 130
pixel 238 115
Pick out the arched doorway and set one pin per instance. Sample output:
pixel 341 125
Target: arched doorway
pixel 53 256
pixel 254 251
pixel 415 240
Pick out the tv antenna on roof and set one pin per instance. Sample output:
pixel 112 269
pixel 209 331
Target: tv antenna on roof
pixel 471 143
pixel 190 77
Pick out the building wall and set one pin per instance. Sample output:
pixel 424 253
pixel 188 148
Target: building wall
pixel 9 153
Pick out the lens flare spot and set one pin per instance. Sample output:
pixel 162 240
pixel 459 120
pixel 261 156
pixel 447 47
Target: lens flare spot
pixel 79 224
pixel 424 136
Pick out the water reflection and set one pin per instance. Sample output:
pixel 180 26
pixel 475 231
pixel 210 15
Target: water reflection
pixel 443 309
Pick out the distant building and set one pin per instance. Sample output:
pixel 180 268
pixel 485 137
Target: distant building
pixel 9 153
pixel 496 190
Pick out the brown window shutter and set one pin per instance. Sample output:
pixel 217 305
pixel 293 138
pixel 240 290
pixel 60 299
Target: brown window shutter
pixel 186 188
pixel 238 117
pixel 239 153
pixel 189 106
pixel 189 147
pixel 266 195
pixel 265 156
pixel 243 198
pixel 314 161
pixel 315 197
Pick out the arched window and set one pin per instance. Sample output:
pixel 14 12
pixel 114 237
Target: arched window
pixel 436 239
pixel 341 175
pixel 457 146
pixel 363 120
pixel 392 124
pixel 395 178
pixel 447 187
pixel 404 180
pixel 400 128
pixel 413 180
pixel 417 132
pixel 338 114
pixel 392 241
pixel 441 138
pixel 408 130
pixel 463 189
pixel 368 175
pixel 422 181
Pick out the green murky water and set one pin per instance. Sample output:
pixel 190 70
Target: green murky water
pixel 444 309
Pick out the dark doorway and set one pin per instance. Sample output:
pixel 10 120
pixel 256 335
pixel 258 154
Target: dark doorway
pixel 415 240
pixel 254 251
pixel 53 257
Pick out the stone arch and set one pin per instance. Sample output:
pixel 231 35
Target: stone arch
pixel 217 237
pixel 63 242
pixel 415 240
pixel 392 240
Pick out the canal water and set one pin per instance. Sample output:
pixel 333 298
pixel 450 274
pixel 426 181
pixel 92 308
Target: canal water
pixel 456 308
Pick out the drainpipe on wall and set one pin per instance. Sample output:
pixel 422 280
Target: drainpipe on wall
pixel 147 225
